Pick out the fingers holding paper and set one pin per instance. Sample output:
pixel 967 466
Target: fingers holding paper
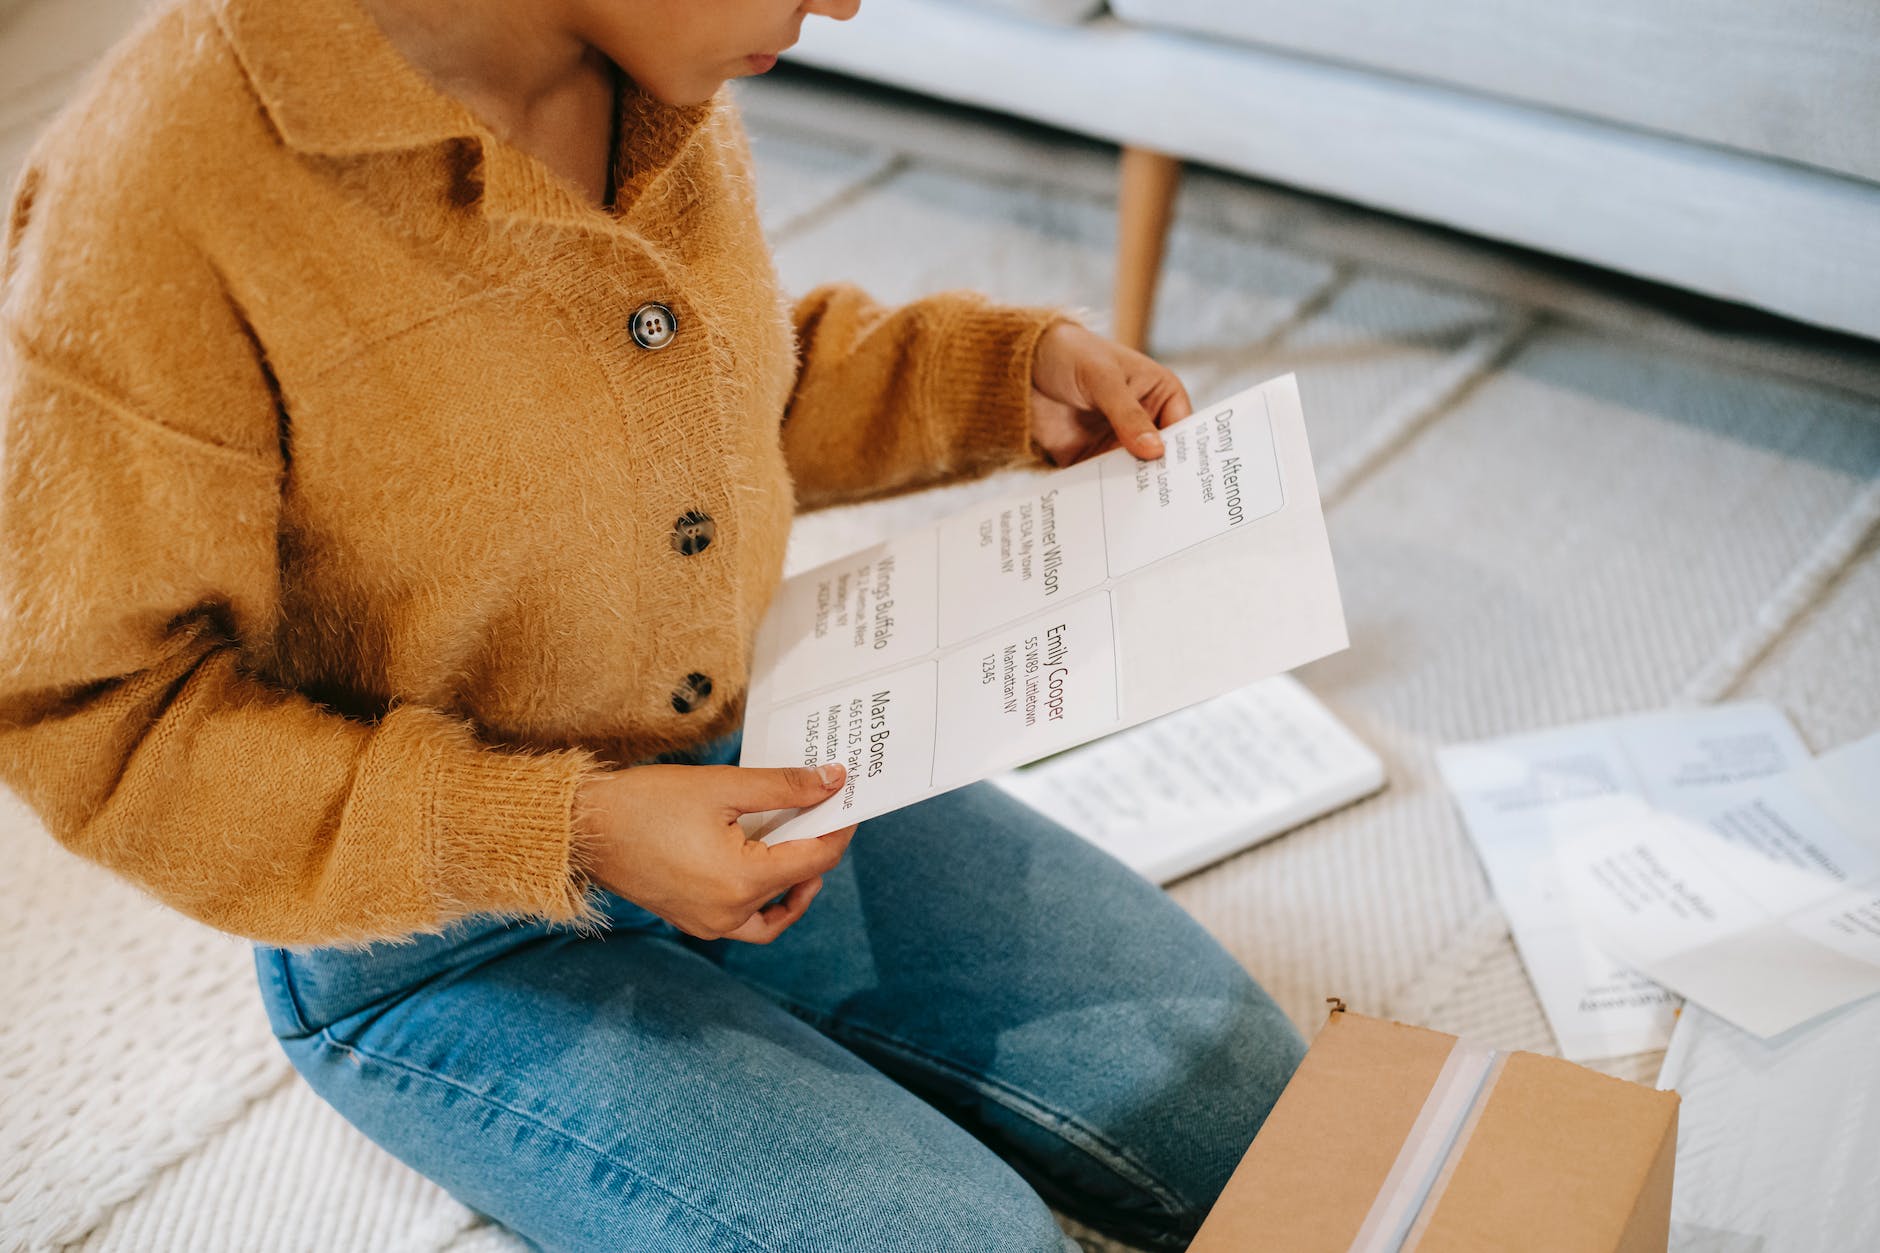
pixel 668 839
pixel 1091 394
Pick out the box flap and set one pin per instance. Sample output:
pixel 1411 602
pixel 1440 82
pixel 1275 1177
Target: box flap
pixel 1649 1230
pixel 1333 1138
pixel 1594 1154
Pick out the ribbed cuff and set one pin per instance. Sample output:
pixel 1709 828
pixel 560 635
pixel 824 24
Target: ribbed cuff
pixel 504 839
pixel 980 386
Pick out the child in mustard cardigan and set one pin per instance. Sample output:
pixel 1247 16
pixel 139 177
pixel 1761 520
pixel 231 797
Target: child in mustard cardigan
pixel 402 428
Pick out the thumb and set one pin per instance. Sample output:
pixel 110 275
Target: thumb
pixel 1119 403
pixel 751 791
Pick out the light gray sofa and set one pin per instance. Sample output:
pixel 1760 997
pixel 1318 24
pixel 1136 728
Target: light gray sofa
pixel 1730 147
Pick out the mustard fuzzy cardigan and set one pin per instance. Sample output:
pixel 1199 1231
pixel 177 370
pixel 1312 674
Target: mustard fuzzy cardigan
pixel 346 524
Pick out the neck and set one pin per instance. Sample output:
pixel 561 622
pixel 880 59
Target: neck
pixel 510 63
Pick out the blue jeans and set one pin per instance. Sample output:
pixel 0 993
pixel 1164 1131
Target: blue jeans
pixel 980 1014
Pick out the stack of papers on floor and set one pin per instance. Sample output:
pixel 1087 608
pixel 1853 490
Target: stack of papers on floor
pixel 1521 797
pixel 1696 854
pixel 1766 912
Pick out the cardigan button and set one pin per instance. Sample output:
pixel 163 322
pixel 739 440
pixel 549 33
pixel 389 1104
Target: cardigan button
pixel 691 693
pixel 653 325
pixel 693 533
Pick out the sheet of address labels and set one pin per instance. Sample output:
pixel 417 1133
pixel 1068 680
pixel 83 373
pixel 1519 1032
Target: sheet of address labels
pixel 1106 594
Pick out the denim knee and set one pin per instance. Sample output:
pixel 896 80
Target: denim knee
pixel 1258 1049
pixel 962 1200
pixel 1209 1100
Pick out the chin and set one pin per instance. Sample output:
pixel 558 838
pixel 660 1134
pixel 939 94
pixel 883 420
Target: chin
pixel 681 92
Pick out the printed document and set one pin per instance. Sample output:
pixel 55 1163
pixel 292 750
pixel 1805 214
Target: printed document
pixel 1766 911
pixel 1186 790
pixel 1523 795
pixel 1109 593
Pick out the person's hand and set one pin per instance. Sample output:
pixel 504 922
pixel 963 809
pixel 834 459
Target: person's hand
pixel 667 838
pixel 1089 394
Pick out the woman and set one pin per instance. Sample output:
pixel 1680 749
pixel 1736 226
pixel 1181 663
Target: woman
pixel 402 428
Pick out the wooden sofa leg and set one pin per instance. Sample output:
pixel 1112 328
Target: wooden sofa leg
pixel 1144 204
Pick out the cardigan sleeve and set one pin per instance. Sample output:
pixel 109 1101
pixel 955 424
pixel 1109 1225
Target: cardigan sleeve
pixel 892 398
pixel 140 488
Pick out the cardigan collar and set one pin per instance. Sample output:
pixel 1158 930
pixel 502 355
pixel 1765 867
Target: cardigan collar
pixel 333 85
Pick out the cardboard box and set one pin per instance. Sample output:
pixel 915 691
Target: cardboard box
pixel 1393 1137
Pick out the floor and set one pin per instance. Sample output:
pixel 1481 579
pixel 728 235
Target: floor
pixel 1552 495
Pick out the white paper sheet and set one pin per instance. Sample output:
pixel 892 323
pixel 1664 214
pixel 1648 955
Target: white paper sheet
pixel 1777 1139
pixel 1188 789
pixel 1111 593
pixel 1766 912
pixel 1519 795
